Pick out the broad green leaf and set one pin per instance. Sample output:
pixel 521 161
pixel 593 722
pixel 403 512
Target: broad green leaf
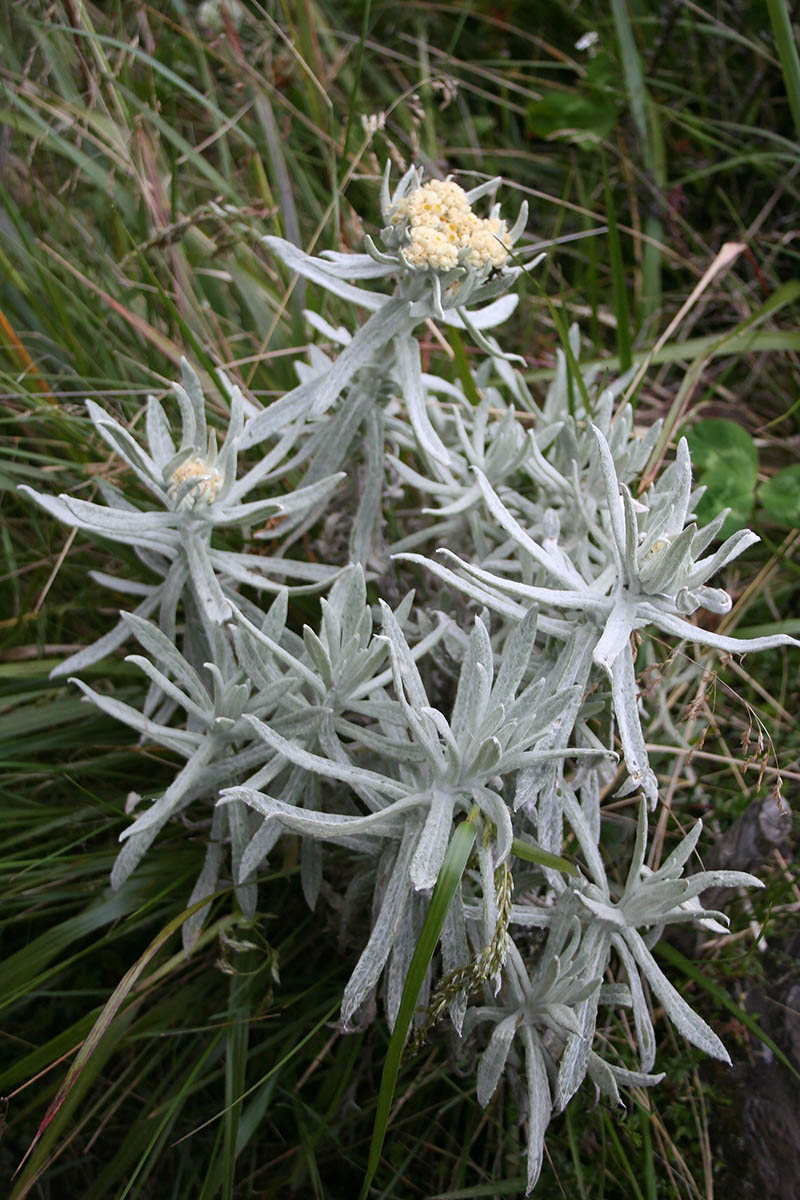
pixel 585 114
pixel 780 496
pixel 725 460
pixel 719 443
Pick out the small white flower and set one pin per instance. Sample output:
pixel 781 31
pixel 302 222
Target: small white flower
pixel 209 14
pixel 372 123
pixel 588 42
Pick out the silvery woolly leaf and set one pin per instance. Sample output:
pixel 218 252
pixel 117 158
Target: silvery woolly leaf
pixel 405 942
pixel 645 1034
pixel 128 449
pixel 494 1058
pixel 175 739
pixel 685 1019
pixel 344 772
pixel 674 863
pixel 696 884
pixel 563 571
pixel 433 841
pixel 205 884
pixel 303 499
pixel 164 651
pixel 165 685
pixel 258 847
pixel 705 637
pixel 569 599
pixel 368 514
pixel 247 515
pixel 111 641
pixel 268 574
pixel 484 189
pixel 606 912
pixel 189 392
pixel 409 375
pixel 614 505
pixel 120 526
pixel 486 317
pixel 474 681
pixel 206 586
pixel 705 536
pixel 330 275
pixel 489 346
pixel 347 265
pixel 735 545
pixel 361 352
pixel 561 1017
pixel 607 1077
pixel 515 657
pixel 639 849
pixel 407 677
pixel 393 901
pixel 131 854
pixel 660 571
pixel 290 408
pixel 574 1060
pixel 159 436
pixel 238 825
pixel 327 826
pixel 506 607
pixel 540 1105
pixel 319 656
pixel 626 709
pixel 175 797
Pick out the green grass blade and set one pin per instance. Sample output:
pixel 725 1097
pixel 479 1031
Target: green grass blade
pixel 787 52
pixel 351 110
pixel 452 869
pixel 236 1040
pixel 651 1187
pixel 110 1010
pixel 619 289
pixel 530 852
pixel 465 377
pixel 171 1111
pixel 575 1154
pixel 676 959
pixel 631 69
pixel 628 1167
pixel 504 1187
pixel 647 129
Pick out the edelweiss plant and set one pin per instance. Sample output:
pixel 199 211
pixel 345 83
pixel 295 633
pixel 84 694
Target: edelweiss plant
pixel 382 727
pixel 652 575
pixel 444 258
pixel 196 491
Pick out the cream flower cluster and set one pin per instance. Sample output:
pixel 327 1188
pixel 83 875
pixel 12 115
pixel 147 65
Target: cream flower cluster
pixel 208 477
pixel 443 231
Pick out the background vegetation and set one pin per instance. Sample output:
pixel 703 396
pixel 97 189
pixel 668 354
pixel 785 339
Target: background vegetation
pixel 143 154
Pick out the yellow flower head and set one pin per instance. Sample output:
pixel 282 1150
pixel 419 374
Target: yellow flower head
pixel 443 230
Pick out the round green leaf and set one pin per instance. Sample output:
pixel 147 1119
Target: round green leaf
pixel 726 489
pixel 720 446
pixel 725 460
pixel 780 496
